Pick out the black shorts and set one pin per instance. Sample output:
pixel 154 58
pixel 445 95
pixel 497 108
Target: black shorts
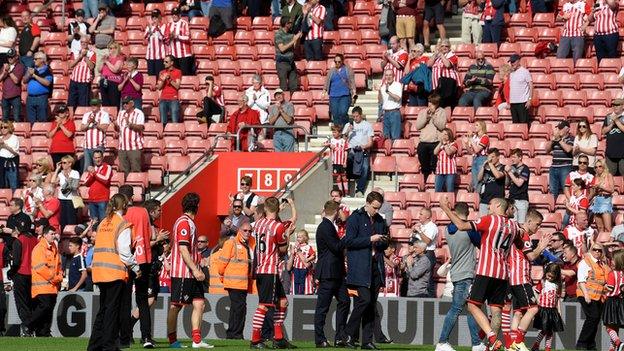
pixel 522 297
pixel 270 289
pixel 435 11
pixel 185 290
pixel 339 169
pixel 153 286
pixel 491 290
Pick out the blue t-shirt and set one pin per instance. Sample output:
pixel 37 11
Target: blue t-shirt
pixel 338 85
pixel 76 267
pixel 222 3
pixel 36 88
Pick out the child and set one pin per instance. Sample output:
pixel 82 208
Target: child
pixel 164 277
pixel 300 262
pixel 613 312
pixel 392 262
pixel 77 267
pixel 548 319
pixel 578 201
pixel 339 146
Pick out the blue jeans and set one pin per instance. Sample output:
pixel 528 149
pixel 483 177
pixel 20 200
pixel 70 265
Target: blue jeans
pixel 475 98
pixel 477 163
pixel 37 108
pixel 461 291
pixel 205 6
pixel 445 181
pixel 14 104
pixel 283 141
pixel 363 178
pixel 313 50
pixel 556 179
pixel 492 32
pixel 276 11
pixel 606 45
pixel 392 124
pixel 90 8
pixel 27 61
pixel 11 177
pixel 167 106
pixel 87 158
pixel 339 109
pixel 97 210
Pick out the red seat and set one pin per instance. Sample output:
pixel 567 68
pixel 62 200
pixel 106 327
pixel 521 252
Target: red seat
pixel 154 129
pixel 435 198
pixel 597 97
pixel 541 130
pixel 203 52
pixel 610 65
pixel 417 199
pixel 400 234
pixel 411 181
pixel 384 164
pixel 347 22
pixel 489 49
pixel 465 50
pixel 544 81
pixel 567 81
pixel 521 34
pixel 246 52
pixel 537 65
pixel 244 37
pixel 231 82
pixel 225 52
pixel 553 113
pixel 591 81
pixel 265 23
pixel 407 165
pixel 501 145
pixel 520 20
pixel 249 66
pixel 527 148
pixel 539 183
pixel 243 23
pixel 369 36
pixel 542 201
pixel 177 164
pixel 463 114
pixel 548 34
pixel 137 179
pixel 263 37
pixel 135 23
pixel 364 8
pixel 527 49
pixel 350 37
pixel 199 23
pixel 151 145
pixel 302 97
pixel 508 49
pixel 552 220
pixel 515 130
pixel 175 145
pixel 587 65
pixel 471 199
pixel 395 199
pixel 305 113
pixel 558 65
pixel 543 20
pixel 400 146
pixel 368 22
pixel 549 97
pixel 176 130
pixel 53 39
pixel 56 52
pixel 574 97
pixel 226 39
pixel 266 52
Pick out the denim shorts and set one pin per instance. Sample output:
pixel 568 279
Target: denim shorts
pixel 601 204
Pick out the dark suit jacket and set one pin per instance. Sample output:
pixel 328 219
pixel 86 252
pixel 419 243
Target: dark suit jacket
pixel 330 261
pixel 297 11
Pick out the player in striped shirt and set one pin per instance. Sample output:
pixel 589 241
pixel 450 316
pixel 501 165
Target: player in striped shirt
pixel 446 167
pixel 314 19
pixel 178 35
pixel 156 48
pixel 94 123
pixel 339 151
pixel 576 16
pixel 606 34
pixel 614 307
pixel 82 65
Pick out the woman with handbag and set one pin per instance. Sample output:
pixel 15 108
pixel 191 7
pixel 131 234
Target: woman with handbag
pixel 340 87
pixel 68 181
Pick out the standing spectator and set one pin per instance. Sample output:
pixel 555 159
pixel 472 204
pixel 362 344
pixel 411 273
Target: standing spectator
pixel 32 193
pixel 285 44
pixel 430 122
pixel 103 28
pixel 601 205
pixel 392 264
pixel 132 83
pixel 560 147
pixel 478 83
pixel 492 179
pixel 50 207
pixel 282 114
pixel 576 16
pixel 61 135
pixel 77 272
pixel 68 181
pixel 191 8
pixel 395 59
pixel 314 22
pixel 444 75
pixel 293 10
pixel 81 64
pixel 39 86
pixel 338 146
pixel 520 91
pixel 9 156
pixel 224 9
pixel 580 233
pixel 249 198
pixel 155 38
pixel 301 263
pixel 568 272
pixel 130 124
pixel 426 231
pixel 419 270
pixel 591 293
pixel 471 29
pixel 76 30
pixel 168 83
pixel 477 143
pixel 259 98
pixel 232 223
pixel 434 11
pixel 406 11
pixel 585 144
pixel 239 119
pixel 340 87
pixel 390 96
pixel 94 123
pixel 613 131
pixel 518 174
pixel 8 35
pixel 11 78
pixel 111 72
pixel 359 134
pixel 178 35
pixel 99 181
pixel 213 101
pixel 417 95
pixel 43 169
pixel 493 21
pixel 29 40
pixel 446 167
pixel 90 8
pixel 606 34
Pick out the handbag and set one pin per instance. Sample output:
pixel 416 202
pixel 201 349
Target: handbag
pixel 78 202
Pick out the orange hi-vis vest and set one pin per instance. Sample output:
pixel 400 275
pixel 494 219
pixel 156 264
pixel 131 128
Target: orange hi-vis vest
pixel 45 269
pixel 107 265
pixel 596 280
pixel 215 286
pixel 235 263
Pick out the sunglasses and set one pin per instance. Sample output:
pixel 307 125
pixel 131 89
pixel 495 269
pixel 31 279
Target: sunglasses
pixel 599 166
pixel 376 208
pixel 237 206
pixel 337 61
pixel 31 180
pixel 202 241
pixel 597 250
pixel 65 162
pixel 582 126
pixel 583 163
pixel 247 230
pixel 244 184
pixel 38 165
pixel 4 127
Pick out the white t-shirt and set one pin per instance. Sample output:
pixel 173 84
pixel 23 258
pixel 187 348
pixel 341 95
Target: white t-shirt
pixel 591 142
pixel 62 180
pixel 395 88
pixel 7 34
pixel 431 231
pixel 13 143
pixel 519 82
pixel 583 270
pixel 360 134
pixel 75 44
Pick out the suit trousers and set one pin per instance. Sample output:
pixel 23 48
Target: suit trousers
pixel 593 312
pixel 105 330
pixel 328 289
pixel 23 300
pixel 238 310
pixel 363 313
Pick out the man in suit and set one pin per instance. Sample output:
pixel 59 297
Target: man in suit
pixel 330 272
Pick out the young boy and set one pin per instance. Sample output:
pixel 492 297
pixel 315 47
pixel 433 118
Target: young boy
pixel 77 267
pixel 339 146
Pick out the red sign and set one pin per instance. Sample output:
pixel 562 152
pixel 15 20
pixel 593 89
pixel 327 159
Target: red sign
pixel 267 179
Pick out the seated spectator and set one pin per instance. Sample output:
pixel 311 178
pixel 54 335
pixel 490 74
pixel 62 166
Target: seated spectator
pixel 239 119
pixel 359 135
pixel 231 223
pixel 213 101
pixel 434 12
pixel 191 8
pixel 577 201
pixel 585 143
pixel 81 64
pixel 9 156
pixel 575 13
pixel 580 233
pixel 111 72
pixel 601 203
pixel 471 30
pixel 569 269
pixel 606 28
pixel 520 90
pixel 406 12
pixel 395 59
pixel 430 122
pixel 390 96
pixel 492 181
pixel 560 148
pixel 446 168
pixel 502 101
pixel 103 28
pixel 77 273
pixel 32 194
pixel 39 86
pixel 285 43
pixel 493 21
pixel 293 10
pixel 314 22
pixel 99 181
pixel 132 83
pixel 282 114
pixel 29 39
pixel 613 131
pixel 11 77
pixel 444 75
pixel 156 49
pixel 130 124
pixel 178 35
pixel 8 36
pixel 75 31
pixel 519 175
pixel 418 270
pixel 68 181
pixel 259 98
pixel 427 231
pixel 94 123
pixel 477 143
pixel 224 9
pixel 168 83
pixel 340 88
pixel 416 92
pixel 478 83
pixel 49 207
pixel 61 135
pixel 42 168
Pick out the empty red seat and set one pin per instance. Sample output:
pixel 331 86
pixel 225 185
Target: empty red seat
pixel 548 34
pixel 407 165
pixel 400 146
pixel 520 20
pixel 544 201
pixel 226 39
pixel 543 20
pixel 367 22
pixel 364 8
pixel 549 97
pixel 544 81
pixel 417 199
pixel 591 81
pixel 243 23
pixel 395 198
pixel 521 34
pixel 177 164
pixel 597 97
pixel 558 65
pixel 574 97
pixel 383 164
pixel 567 81
pixel 412 181
pixel 587 65
pixel 265 23
pixel 263 37
pixel 610 65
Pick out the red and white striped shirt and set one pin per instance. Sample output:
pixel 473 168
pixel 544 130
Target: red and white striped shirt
pixel 497 236
pixel 605 19
pixel 180 46
pixel 269 234
pixel 438 69
pixel 128 138
pixel 519 265
pixel 307 251
pixel 587 177
pixel 548 294
pixel 81 72
pixel 30 196
pixel 164 277
pixel 484 142
pixel 401 56
pixel 184 231
pixel 341 228
pixel 447 164
pixel 339 151
pixel 393 278
pixel 615 279
pixel 578 203
pixel 94 137
pixel 156 48
pixel 578 11
pixel 316 30
pixel 578 237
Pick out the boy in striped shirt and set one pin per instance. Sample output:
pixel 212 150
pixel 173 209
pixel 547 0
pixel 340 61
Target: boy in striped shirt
pixel 339 150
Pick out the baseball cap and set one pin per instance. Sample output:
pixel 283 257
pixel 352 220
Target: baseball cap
pixel 95 102
pixel 80 13
pixel 11 53
pixel 513 58
pixel 617 102
pixel 278 91
pixel 156 13
pixel 563 124
pixel 175 11
pixel 126 99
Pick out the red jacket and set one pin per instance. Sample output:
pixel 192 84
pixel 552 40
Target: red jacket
pixel 99 183
pixel 251 117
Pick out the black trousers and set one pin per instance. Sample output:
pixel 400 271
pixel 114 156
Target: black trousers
pixel 211 107
pixel 238 310
pixel 328 289
pixel 111 96
pixel 363 313
pixel 141 287
pixel 431 287
pixel 3 310
pixel 593 312
pixel 105 330
pixel 125 312
pixel 287 73
pixel 428 160
pixel 23 300
pixel 186 65
pixel 41 317
pixel 519 113
pixel 154 67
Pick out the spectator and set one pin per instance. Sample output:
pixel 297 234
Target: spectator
pixel 77 275
pixel 43 169
pixel 395 59
pixel 340 87
pixel 11 78
pixel 156 49
pixel 477 143
pixel 103 28
pixel 478 83
pixel 392 264
pixel 94 123
pixel 580 233
pixel 233 222
pixel 417 94
pixel 613 131
pixel 520 91
pixel 249 198
pixel 313 21
pixel 168 83
pixel 427 231
pixel 178 35
pixel 239 119
pixel 601 205
pixel 224 9
pixel 285 43
pixel 32 194
pixel 575 14
pixel 99 181
pixel 492 179
pixel 390 96
pixel 560 147
pixel 49 207
pixel 213 101
pixel 282 114
pixel 67 180
pixel 605 28
pixel 430 122
pixel 584 174
pixel 434 11
pixel 419 270
pixel 471 30
pixel 8 35
pixel 300 263
pixel 446 167
pixel 191 8
pixel 557 243
pixel 406 11
pixel 111 72
pixel 61 135
pixel 585 143
pixel 577 201
pixel 90 8
pixel 29 40
pixel 519 175
pixel 39 86
pixel 132 83
pixel 259 98
pixel 75 31
pixel 16 217
pixel 81 64
pixel 568 272
pixel 359 134
pixel 444 75
pixel 130 124
pixel 502 101
pixel 386 210
pixel 293 10
pixel 493 21
pixel 9 156
pixel 339 150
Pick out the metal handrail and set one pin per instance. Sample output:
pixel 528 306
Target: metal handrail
pixel 262 126
pixel 289 183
